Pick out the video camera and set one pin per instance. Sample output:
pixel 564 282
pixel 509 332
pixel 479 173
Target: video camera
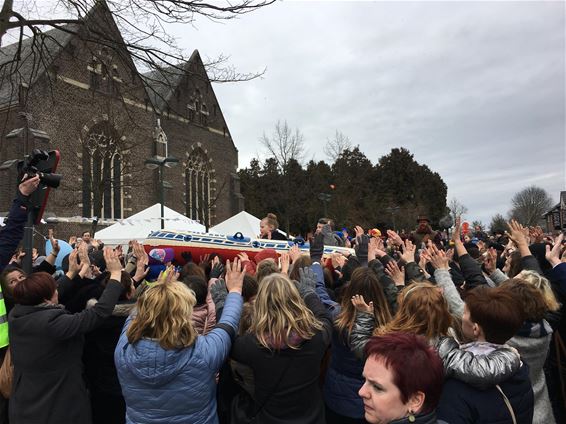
pixel 38 163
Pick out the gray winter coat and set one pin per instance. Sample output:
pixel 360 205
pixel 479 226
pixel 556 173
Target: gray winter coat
pixel 533 342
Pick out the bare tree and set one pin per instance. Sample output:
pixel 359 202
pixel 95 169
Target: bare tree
pixel 284 144
pixel 529 204
pixel 456 208
pixel 130 27
pixel 334 147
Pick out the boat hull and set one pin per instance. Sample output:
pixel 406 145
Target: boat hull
pixel 228 247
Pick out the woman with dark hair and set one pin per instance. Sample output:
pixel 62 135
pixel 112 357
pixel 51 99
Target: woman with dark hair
pixel 344 375
pixel 403 380
pixel 108 405
pixel 47 345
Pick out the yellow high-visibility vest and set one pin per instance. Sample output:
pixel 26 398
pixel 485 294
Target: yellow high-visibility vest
pixel 4 341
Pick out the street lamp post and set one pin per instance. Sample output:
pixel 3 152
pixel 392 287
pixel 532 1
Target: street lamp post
pixel 161 163
pixel 325 197
pixel 393 211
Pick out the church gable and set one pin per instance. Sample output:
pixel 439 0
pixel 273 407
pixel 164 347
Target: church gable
pixel 187 92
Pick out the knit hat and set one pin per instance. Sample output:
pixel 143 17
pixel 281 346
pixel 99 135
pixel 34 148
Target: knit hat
pixel 161 256
pixel 266 254
pixel 375 232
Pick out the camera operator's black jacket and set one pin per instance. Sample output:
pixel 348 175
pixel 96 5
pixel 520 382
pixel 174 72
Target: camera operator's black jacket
pixel 13 231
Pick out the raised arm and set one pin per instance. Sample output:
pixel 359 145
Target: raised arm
pixel 442 277
pixel 13 231
pixel 67 326
pixel 217 343
pixel 470 268
pixel 519 236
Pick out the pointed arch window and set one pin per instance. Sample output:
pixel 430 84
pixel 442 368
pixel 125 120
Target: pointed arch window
pixel 102 189
pixel 198 182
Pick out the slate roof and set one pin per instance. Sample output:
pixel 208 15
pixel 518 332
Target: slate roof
pixel 161 84
pixel 34 60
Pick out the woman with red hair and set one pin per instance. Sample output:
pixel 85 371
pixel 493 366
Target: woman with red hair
pixel 403 380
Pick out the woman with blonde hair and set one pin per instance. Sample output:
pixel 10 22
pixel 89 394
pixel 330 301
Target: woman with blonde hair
pixel 269 228
pixel 543 285
pixel 166 370
pixel 284 347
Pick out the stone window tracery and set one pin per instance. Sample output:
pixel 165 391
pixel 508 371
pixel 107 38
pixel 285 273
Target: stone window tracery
pixel 198 181
pixel 102 189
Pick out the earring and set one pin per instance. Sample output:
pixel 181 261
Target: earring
pixel 411 417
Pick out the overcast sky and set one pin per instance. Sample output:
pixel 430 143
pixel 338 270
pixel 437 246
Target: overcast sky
pixel 475 90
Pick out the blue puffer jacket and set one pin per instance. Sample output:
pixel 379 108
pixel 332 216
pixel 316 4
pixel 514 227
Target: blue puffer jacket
pixel 344 376
pixel 175 386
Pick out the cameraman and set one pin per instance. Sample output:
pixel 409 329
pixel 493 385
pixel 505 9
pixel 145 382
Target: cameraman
pixel 10 236
pixel 13 231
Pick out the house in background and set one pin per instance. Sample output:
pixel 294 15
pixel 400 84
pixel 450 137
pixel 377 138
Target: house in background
pixel 556 217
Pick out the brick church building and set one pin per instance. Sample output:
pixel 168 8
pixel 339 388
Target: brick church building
pixel 88 100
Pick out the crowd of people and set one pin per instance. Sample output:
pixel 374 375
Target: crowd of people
pixel 409 328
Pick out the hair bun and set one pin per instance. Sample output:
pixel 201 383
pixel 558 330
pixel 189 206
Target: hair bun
pixel 272 216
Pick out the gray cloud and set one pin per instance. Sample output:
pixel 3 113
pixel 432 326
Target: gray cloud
pixel 475 90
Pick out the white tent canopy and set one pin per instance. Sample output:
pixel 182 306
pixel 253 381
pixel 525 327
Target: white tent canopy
pixel 243 222
pixel 139 225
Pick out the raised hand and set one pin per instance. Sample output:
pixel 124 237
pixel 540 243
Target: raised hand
pixel 317 247
pixel 74 266
pixel 83 254
pixel 294 253
pixel 55 248
pixel 204 259
pixel 424 258
pixel 218 292
pixel 167 275
pixel 307 281
pixel 360 304
pixel 142 261
pixel 519 237
pixel 438 258
pixel 217 268
pixel 394 237
pixel 338 260
pixel 243 257
pixel 359 231
pixel 490 260
pixel 536 234
pixel 113 264
pixel 28 186
pixel 375 249
pixel 284 261
pixel 397 274
pixel 408 254
pixel 553 254
pixel 456 235
pixel 235 276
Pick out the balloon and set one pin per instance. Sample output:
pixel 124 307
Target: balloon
pixel 65 250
